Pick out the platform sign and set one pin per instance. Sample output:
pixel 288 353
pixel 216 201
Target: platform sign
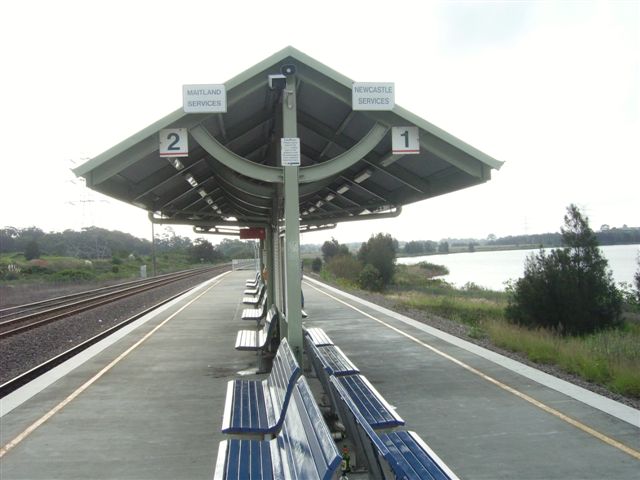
pixel 405 140
pixel 373 96
pixel 252 233
pixel 290 152
pixel 174 142
pixel 209 98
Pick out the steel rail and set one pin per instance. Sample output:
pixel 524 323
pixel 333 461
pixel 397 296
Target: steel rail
pixel 59 312
pixel 24 378
pixel 26 307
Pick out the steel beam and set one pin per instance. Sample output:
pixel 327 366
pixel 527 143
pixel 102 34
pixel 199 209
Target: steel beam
pixel 235 162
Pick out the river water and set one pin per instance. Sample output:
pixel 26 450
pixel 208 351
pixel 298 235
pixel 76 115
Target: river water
pixel 492 269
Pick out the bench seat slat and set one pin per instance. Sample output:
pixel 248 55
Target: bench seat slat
pixel 248 459
pixel 318 337
pixel 410 452
pixel 371 404
pixel 335 362
pixel 247 340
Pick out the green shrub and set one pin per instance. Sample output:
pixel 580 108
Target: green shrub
pixel 433 269
pixel 370 278
pixel 73 276
pixel 316 265
pixel 344 266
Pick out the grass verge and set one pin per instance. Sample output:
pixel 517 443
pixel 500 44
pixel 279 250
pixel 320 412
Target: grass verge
pixel 610 358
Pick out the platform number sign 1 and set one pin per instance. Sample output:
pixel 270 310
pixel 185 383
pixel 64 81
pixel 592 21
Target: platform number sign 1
pixel 174 142
pixel 405 140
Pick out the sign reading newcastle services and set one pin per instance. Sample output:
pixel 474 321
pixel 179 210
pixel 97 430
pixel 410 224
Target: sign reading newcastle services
pixel 204 98
pixel 373 96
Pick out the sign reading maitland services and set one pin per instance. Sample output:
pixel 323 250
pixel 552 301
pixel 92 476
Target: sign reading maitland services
pixel 405 140
pixel 290 152
pixel 174 142
pixel 373 96
pixel 204 98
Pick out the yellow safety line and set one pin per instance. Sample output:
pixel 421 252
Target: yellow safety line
pixel 34 426
pixel 581 426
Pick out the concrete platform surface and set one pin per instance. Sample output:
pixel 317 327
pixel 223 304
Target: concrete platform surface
pixel 149 405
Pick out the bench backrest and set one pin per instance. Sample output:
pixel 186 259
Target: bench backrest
pixel 281 381
pixel 305 444
pixel 392 447
pixel 271 324
pixel 362 433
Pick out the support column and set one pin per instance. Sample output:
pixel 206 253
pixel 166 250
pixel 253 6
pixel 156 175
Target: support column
pixel 269 254
pixel 293 284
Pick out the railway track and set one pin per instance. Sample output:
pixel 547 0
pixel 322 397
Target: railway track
pixel 90 299
pixel 21 318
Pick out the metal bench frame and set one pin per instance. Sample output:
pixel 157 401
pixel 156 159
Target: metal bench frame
pixel 303 449
pixel 397 454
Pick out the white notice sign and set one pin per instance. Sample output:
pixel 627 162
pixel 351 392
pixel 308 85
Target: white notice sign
pixel 404 140
pixel 210 98
pixel 373 96
pixel 174 142
pixel 290 152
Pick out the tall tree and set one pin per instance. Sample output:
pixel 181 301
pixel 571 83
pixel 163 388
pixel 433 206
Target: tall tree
pixel 380 252
pixel 332 248
pixel 571 289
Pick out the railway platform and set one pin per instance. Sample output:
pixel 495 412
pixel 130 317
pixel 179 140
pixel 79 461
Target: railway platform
pixel 148 404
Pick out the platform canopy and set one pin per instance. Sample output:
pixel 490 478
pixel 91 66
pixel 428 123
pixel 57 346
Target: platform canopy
pixel 232 176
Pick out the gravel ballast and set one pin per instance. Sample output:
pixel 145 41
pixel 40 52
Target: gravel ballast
pixel 27 350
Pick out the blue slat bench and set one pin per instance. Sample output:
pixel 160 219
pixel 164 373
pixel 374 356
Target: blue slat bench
pixel 252 291
pixel 328 360
pixel 257 313
pixel 257 298
pixel 370 403
pixel 398 454
pixel 304 448
pixel 257 407
pixel 318 337
pixel 259 340
pixel 253 282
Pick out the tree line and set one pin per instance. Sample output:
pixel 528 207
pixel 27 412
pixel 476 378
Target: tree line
pixel 95 243
pixel 612 236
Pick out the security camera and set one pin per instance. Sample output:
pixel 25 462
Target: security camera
pixel 288 70
pixel 277 82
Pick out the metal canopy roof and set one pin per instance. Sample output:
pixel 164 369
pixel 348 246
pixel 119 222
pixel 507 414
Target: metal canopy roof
pixel 232 175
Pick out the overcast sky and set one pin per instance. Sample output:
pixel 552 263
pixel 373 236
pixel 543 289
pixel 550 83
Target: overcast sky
pixel 550 88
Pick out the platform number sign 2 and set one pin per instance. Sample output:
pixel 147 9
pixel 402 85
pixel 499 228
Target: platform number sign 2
pixel 405 140
pixel 174 142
